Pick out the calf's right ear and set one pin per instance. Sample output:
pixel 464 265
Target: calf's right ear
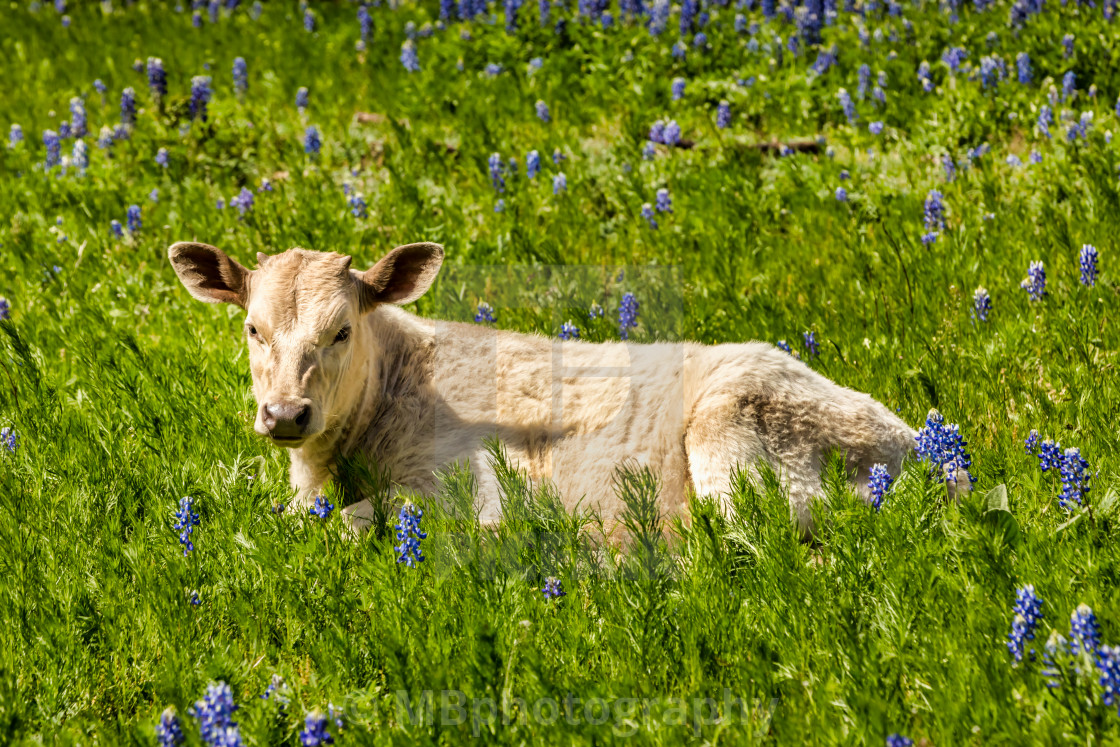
pixel 208 274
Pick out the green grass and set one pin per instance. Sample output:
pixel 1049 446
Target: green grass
pixel 127 395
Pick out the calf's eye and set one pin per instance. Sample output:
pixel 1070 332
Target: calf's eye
pixel 343 335
pixel 252 331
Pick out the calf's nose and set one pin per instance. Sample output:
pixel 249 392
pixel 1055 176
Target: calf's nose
pixel 286 419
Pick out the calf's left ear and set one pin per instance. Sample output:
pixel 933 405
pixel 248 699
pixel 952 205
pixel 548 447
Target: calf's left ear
pixel 401 276
pixel 209 274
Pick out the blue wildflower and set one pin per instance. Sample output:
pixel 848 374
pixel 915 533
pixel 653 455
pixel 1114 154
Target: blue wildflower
pixel 864 81
pixel 78 126
pixel 322 508
pixel 485 313
pixel 1027 614
pixel 981 304
pixel 1067 42
pixel 1088 265
pixel 215 716
pixel 1031 443
pixel 161 157
pixel 841 194
pixel 879 482
pixel 1069 85
pixel 315 730
pixel 934 211
pixel 944 448
pixel 187 520
pixel 649 151
pixel 273 691
pixel 677 88
pixel 243 201
pixel 312 141
pixel 100 86
pixel 783 345
pixel 953 57
pixel 1075 478
pixel 194 600
pixel 1108 662
pixel 1023 65
pixel 848 106
pixel 897 740
pixel 302 99
pixel 157 78
pixel 1035 281
pixel 80 158
pixel 240 76
pixel 1045 119
pixel 169 731
pixel 154 195
pixel 357 205
pixel 810 340
pixel 672 133
pixel 552 588
pixel 308 20
pixel 1049 455
pixel 117 229
pixel 54 148
pixel 532 164
pixel 1055 649
pixel 569 331
pixel 409 535
pixel 924 75
pixel 365 21
pixel 64 130
pixel 542 111
pixel 133 216
pixel 8 438
pixel 200 96
pixel 497 172
pixel 1084 632
pixel 627 315
pixel 559 183
pixel 409 58
pixel 723 115
pixel 875 128
pixel 992 71
pixel 664 201
pixel 15 135
pixel 647 213
pixel 492 69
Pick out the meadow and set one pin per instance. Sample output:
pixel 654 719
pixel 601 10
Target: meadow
pixel 868 184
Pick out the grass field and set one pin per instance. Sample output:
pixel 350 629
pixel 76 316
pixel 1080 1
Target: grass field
pixel 120 394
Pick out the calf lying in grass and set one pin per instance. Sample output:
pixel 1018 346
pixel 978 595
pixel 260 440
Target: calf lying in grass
pixel 338 370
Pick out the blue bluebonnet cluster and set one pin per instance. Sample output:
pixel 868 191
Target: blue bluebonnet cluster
pixel 186 520
pixel 552 588
pixel 1045 119
pixel 981 304
pixel 116 227
pixel 161 157
pixel 1069 85
pixel 1108 662
pixel 15 135
pixel 664 201
pixel 8 440
pixel 784 346
pixel 157 78
pixel 1027 614
pixel 677 89
pixel 841 194
pixel 542 111
pixel 1088 259
pixel 308 20
pixel 1084 631
pixel 302 99
pixel 648 214
pixel 723 115
pixel 532 164
pixel 275 691
pixel 1032 441
pixel 1023 68
pixel 409 58
pixel 315 730
pixel 559 183
pixel 627 315
pixel 243 201
pixel 875 128
pixel 595 311
pixel 897 740
pixel 569 331
pixel 812 348
pixel 214 714
pixel 78 122
pixel 848 105
pixel 193 598
pixel 54 148
pixel 485 314
pixel 943 446
pixel 992 71
pixel 5 309
pixel 1075 474
pixel 200 97
pixel 312 141
pixel 953 57
pixel 80 157
pixel 322 507
pixel 133 217
pixel 1079 129
pixel 409 535
pixel 240 76
pixel 1035 281
pixel 665 133
pixel 497 172
pixel 879 482
pixel 169 730
pixel 357 205
pixel 924 75
pixel 934 216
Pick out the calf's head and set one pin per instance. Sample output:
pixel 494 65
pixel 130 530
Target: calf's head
pixel 303 324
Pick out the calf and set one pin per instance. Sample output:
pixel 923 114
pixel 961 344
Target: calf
pixel 339 369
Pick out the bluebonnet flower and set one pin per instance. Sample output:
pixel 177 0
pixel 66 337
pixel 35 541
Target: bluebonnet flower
pixel 409 58
pixel 154 195
pixel 99 86
pixel 981 304
pixel 658 17
pixel 220 204
pixel 243 201
pixel 1035 157
pixel 1108 662
pixel 595 311
pixel 826 58
pixel 943 446
pixel 1035 281
pixel 1055 649
pixel 723 115
pixel 864 81
pixel 1069 85
pixel 187 520
pixel 1014 161
pixel 215 716
pixel 664 201
pixel 1031 444
pixel 649 151
pixel 1027 614
pixel 897 740
pixel 934 213
pixel 811 345
pixel 1045 119
pixel 200 96
pixel 194 600
pixel 161 157
pixel 552 588
pixel 672 135
pixel 924 74
pixel 116 228
pixel 953 57
pixel 312 142
pixel 657 132
pixel 569 331
pixel 844 175
pixel 559 183
pixel 688 14
pixel 1023 65
pixel 700 40
pixel 841 194
pixel 78 117
pixel 875 128
pixel 511 8
pixel 848 106
pixel 357 205
pixel 128 108
pixel 485 314
pixel 8 438
pixel 157 78
pixel 678 88
pixel 1080 128
pixel 365 22
pixel 879 482
pixel 215 8
pixel 54 148
pixel 64 130
pixel 1049 455
pixel 542 111
pixel 322 508
pixel 497 172
pixel 15 135
pixel 679 50
pixel 80 159
pixel 535 64
pixel 1067 42
pixel 134 218
pixel 627 315
pixel 992 71
pixel 647 213
pixel 1075 478
pixel 315 731
pixel 740 23
pixel 301 99
pixel 783 345
pixel 272 691
pixel 1088 265
pixel 492 69
pixel 169 731
pixel 240 76
pixel 308 20
pixel 1084 632
pixel 409 535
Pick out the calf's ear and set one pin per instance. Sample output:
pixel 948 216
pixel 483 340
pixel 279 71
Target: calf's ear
pixel 208 274
pixel 401 276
